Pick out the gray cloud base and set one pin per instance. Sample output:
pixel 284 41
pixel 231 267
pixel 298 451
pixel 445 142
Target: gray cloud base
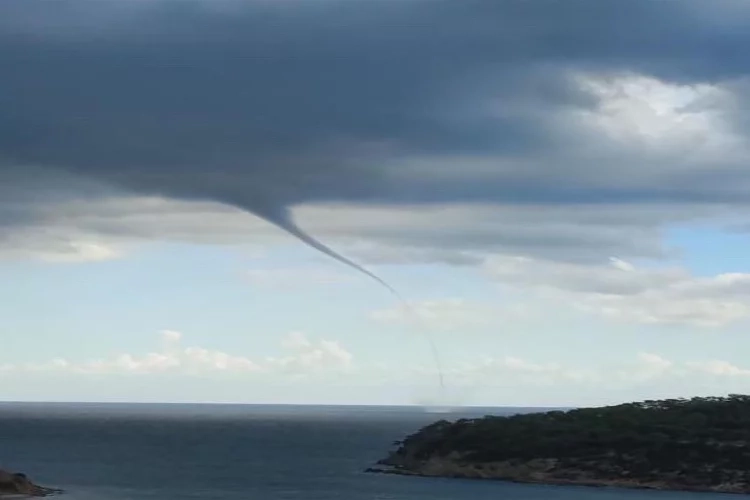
pixel 268 105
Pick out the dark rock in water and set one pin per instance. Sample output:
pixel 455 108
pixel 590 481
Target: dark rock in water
pixel 18 484
pixel 376 470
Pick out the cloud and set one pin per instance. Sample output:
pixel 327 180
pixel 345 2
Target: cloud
pixel 171 336
pixel 646 372
pixel 401 132
pixel 486 109
pixel 303 357
pixel 296 341
pixel 58 249
pixel 720 368
pixel 646 114
pixel 451 314
pixel 463 234
pixel 654 362
pixel 649 366
pixel 624 292
pixel 653 366
pixel 491 378
pixel 309 357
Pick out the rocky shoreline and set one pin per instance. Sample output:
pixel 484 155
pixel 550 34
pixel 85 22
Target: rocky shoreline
pixel 16 483
pixel 542 471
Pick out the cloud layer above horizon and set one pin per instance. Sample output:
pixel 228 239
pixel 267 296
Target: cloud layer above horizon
pixel 308 362
pixel 284 103
pixel 471 133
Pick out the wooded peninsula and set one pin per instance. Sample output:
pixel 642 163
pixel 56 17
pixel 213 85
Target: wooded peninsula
pixel 698 444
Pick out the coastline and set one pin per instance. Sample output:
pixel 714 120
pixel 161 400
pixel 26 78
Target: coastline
pixel 543 472
pixel 700 444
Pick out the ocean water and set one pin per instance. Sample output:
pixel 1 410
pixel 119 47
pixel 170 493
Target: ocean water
pixel 228 452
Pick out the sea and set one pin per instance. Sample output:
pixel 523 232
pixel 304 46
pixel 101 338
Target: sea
pixel 245 452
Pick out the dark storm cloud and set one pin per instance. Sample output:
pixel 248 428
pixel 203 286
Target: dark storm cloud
pixel 236 97
pixel 268 104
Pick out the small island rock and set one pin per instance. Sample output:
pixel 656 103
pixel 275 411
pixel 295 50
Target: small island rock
pixel 16 483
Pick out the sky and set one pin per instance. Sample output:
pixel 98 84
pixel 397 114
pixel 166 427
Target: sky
pixel 193 192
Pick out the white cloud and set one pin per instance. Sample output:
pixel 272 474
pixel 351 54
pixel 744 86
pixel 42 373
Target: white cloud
pixel 644 373
pixel 622 291
pixel 303 357
pixel 717 367
pixel 621 264
pixel 489 379
pixel 615 278
pixel 654 361
pixel 82 251
pixel 646 367
pixel 198 359
pixel 309 357
pixel 296 341
pixel 643 112
pixel 171 336
pixel 58 245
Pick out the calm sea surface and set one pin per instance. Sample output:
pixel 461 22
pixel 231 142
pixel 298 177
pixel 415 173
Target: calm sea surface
pixel 227 452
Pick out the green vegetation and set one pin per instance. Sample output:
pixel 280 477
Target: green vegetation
pixel 699 443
